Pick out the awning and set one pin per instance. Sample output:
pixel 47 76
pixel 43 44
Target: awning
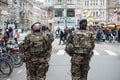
pixel 3 12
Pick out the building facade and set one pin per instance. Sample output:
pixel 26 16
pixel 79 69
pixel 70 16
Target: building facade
pixel 14 18
pixel 98 9
pixel 3 13
pixel 36 11
pixel 26 13
pixel 113 12
pixel 67 13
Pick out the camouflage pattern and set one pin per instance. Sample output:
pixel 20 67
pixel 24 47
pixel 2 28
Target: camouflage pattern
pixel 51 39
pixel 36 49
pixel 79 46
pixel 50 35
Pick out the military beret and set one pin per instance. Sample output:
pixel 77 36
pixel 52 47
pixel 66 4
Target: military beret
pixel 82 21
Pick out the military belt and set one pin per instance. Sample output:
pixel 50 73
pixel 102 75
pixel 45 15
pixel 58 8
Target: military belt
pixel 83 54
pixel 38 54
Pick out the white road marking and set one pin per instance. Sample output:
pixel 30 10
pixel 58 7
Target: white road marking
pixel 60 52
pixel 110 52
pixel 19 71
pixel 8 79
pixel 95 52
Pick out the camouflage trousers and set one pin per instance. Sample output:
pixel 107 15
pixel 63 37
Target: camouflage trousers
pixel 36 70
pixel 80 66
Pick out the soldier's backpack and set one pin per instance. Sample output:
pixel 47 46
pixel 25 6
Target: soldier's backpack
pixel 50 36
pixel 38 42
pixel 82 42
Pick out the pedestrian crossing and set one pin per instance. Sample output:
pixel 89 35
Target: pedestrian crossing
pixel 96 53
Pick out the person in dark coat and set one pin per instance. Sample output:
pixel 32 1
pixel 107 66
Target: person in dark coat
pixel 119 36
pixel 61 37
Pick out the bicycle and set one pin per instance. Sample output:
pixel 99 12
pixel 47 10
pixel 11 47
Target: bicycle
pixel 5 68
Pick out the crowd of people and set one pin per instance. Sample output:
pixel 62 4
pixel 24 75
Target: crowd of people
pixel 101 34
pixel 107 34
pixel 63 34
pixel 8 35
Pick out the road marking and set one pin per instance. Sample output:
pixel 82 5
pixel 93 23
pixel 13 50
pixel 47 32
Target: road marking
pixel 60 52
pixel 95 52
pixel 8 79
pixel 19 71
pixel 110 52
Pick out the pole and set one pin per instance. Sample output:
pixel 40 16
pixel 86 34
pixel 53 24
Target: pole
pixel 65 14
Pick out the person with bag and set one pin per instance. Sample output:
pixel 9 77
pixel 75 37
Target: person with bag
pixel 35 50
pixel 79 46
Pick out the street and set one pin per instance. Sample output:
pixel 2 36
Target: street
pixel 104 64
pixel 61 17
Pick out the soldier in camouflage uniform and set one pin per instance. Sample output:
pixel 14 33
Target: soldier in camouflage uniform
pixel 51 39
pixel 79 46
pixel 35 53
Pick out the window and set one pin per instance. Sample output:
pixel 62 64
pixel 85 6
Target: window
pixel 118 18
pixel 69 1
pixel 93 14
pixel 59 12
pixel 78 1
pixel 85 3
pixel 96 2
pixel 97 14
pixel 118 1
pixel 102 2
pixel 70 12
pixel 48 1
pixel 90 2
pixel 59 1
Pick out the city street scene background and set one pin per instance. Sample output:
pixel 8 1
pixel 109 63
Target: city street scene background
pixel 103 17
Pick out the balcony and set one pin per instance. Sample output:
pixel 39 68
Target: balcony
pixel 4 1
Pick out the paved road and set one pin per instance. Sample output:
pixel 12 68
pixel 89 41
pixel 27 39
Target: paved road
pixel 104 64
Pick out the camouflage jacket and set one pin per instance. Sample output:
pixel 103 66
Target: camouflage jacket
pixel 50 36
pixel 33 47
pixel 80 42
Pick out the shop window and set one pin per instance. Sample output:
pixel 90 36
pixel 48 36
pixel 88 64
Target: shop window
pixel 71 13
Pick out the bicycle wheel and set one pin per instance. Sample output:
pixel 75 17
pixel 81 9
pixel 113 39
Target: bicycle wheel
pixel 5 67
pixel 17 59
pixel 9 58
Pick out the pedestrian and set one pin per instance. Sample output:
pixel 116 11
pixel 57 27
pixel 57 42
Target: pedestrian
pixel 65 34
pixel 16 36
pixel 61 37
pixel 6 37
pixel 7 31
pixel 99 35
pixel 10 32
pixel 114 33
pixel 110 36
pixel 119 35
pixel 79 46
pixel 35 49
pixel 22 30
